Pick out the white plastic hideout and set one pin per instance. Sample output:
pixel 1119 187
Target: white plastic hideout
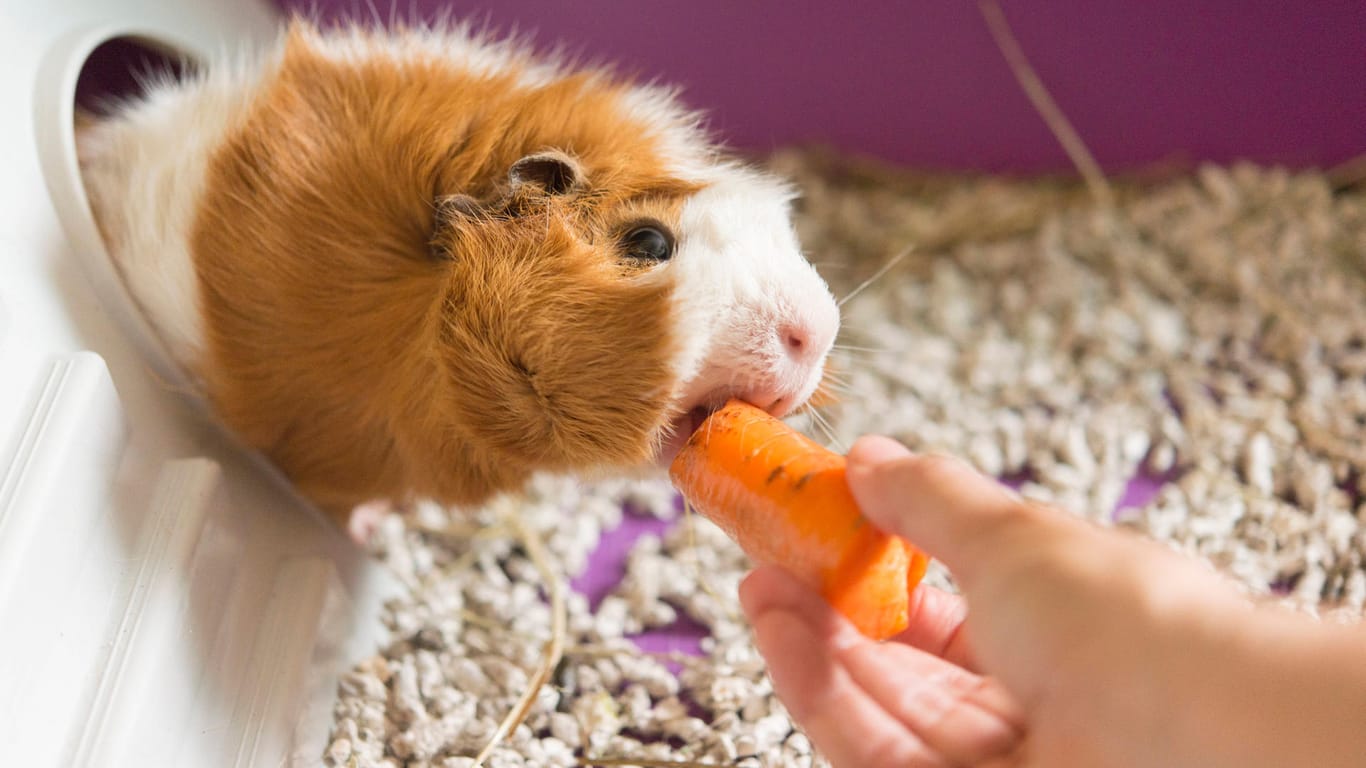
pixel 165 598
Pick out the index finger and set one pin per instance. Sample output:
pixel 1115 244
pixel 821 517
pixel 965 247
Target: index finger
pixel 944 506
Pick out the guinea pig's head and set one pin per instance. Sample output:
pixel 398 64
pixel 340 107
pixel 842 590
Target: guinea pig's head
pixel 593 318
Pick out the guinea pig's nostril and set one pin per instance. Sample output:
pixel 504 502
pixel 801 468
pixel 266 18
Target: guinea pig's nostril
pixel 796 339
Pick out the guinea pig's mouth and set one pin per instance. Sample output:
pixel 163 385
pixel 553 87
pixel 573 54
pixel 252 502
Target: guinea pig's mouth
pixel 676 434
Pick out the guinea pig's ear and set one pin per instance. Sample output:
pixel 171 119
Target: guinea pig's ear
pixel 453 206
pixel 451 210
pixel 552 171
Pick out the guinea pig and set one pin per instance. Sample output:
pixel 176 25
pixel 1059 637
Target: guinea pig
pixel 423 264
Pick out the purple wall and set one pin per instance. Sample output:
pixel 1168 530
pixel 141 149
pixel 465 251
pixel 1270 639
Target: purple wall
pixel 920 81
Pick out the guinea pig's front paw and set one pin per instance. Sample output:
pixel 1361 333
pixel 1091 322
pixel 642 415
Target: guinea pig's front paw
pixel 366 518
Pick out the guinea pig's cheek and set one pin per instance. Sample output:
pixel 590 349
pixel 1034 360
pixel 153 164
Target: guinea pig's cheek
pixel 692 319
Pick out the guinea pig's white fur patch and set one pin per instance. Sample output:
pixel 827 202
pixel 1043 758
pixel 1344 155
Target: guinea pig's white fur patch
pixel 153 192
pixel 741 283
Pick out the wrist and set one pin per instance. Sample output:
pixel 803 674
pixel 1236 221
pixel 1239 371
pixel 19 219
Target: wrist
pixel 1277 689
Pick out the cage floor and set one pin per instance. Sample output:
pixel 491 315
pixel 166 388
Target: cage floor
pixel 1191 364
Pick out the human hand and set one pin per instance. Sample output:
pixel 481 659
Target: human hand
pixel 1084 647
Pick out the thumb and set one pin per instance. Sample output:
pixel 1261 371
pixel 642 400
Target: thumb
pixel 939 503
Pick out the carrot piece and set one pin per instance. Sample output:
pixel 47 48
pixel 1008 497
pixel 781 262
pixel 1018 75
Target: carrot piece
pixel 784 499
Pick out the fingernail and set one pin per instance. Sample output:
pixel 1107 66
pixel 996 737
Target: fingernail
pixel 745 593
pixel 1010 492
pixel 871 450
pixel 955 458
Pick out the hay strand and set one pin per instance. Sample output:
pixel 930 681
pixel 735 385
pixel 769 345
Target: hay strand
pixel 554 647
pixel 1043 102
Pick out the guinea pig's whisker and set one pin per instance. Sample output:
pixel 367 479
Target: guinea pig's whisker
pixel 805 410
pixel 813 419
pixel 853 330
pixel 374 14
pixel 852 348
pixel 892 262
pixel 829 431
pixel 856 347
pixel 830 377
pixel 828 387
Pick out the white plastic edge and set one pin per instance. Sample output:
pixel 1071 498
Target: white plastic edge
pixel 54 128
pixel 77 403
pixel 283 647
pixel 150 617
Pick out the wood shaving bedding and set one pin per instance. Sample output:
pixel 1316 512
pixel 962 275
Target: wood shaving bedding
pixel 1207 332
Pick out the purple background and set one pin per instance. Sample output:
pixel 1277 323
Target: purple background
pixel 920 82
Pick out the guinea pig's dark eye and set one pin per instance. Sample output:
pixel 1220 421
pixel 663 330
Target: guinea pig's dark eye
pixel 649 243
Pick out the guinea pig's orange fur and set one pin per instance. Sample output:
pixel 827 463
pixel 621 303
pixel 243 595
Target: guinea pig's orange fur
pixel 320 221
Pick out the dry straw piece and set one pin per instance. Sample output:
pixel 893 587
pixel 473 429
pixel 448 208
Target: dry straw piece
pixel 554 647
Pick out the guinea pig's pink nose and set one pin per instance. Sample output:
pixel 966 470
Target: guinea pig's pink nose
pixel 802 343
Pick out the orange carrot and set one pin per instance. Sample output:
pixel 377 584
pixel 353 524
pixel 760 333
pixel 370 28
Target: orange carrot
pixel 783 498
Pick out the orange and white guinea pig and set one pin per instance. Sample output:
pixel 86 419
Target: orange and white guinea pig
pixel 420 264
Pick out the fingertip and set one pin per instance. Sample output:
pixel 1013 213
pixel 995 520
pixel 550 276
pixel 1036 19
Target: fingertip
pixel 938 502
pixel 759 589
pixel 770 587
pixel 795 658
pixel 871 450
pixel 801 653
pixel 936 626
pixel 770 590
pixel 870 460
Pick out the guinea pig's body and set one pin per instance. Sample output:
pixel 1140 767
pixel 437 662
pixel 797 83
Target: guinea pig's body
pixel 415 264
